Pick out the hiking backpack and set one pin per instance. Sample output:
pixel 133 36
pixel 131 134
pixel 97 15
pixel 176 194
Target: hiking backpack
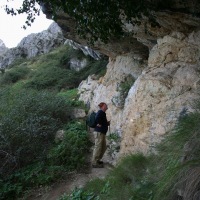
pixel 91 120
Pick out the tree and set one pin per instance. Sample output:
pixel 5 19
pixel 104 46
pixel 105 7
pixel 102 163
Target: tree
pixel 99 19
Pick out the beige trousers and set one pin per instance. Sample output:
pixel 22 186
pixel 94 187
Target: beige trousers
pixel 99 147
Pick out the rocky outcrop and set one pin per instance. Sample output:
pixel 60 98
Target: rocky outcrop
pixel 3 48
pixel 165 87
pixel 33 45
pixel 43 42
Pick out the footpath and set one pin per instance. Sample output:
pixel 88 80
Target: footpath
pixel 72 181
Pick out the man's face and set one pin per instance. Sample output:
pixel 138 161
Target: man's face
pixel 105 107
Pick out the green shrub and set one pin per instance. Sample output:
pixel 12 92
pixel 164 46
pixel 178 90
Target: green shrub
pixel 15 74
pixel 62 157
pixel 29 121
pixel 71 151
pixel 32 176
pixel 52 58
pixel 78 194
pixel 72 98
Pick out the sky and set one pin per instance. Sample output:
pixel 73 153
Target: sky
pixel 11 31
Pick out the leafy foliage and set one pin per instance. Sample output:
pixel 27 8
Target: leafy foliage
pixel 63 156
pixel 52 71
pixel 63 153
pixel 29 120
pixel 33 175
pixel 52 77
pixel 78 194
pixel 99 19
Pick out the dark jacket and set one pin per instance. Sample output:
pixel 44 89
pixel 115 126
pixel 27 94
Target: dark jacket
pixel 102 120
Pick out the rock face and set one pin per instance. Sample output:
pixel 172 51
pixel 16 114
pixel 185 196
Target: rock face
pixel 33 45
pixel 3 48
pixel 43 42
pixel 163 61
pixel 85 49
pixel 165 86
pixel 165 89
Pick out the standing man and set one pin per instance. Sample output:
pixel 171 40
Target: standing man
pixel 100 135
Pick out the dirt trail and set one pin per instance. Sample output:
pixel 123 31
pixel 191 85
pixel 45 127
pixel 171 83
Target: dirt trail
pixel 72 181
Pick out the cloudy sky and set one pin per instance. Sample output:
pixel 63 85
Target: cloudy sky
pixel 11 31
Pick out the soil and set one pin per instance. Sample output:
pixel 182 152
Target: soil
pixel 72 181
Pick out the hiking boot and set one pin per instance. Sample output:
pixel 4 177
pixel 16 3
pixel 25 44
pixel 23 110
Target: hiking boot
pixel 97 165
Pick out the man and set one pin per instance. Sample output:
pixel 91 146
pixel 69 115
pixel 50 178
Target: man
pixel 100 136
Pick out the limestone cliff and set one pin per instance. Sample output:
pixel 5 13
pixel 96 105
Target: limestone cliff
pixel 32 45
pixel 163 62
pixel 165 87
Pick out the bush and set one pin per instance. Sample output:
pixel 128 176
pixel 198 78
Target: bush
pixel 63 157
pixel 72 98
pixel 32 176
pixel 71 151
pixel 15 74
pixel 29 121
